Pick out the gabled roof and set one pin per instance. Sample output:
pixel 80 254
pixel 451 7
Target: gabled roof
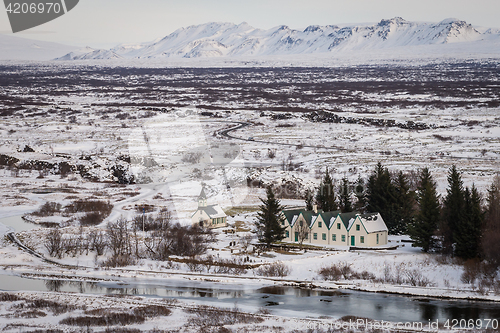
pixel 310 217
pixel 292 215
pixel 213 211
pixel 329 217
pixel 373 222
pixel 348 219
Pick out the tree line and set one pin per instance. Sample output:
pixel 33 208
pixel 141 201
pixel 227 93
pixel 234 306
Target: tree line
pixel 160 239
pixel 388 193
pixel 457 224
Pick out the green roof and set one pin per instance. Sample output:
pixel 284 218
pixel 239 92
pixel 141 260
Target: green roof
pixel 289 214
pixel 309 214
pixel 327 216
pixel 346 217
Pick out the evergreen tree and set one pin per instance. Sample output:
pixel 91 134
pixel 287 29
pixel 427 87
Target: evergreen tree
pixel 325 197
pixel 360 204
pixel 490 241
pixel 467 235
pixel 405 201
pixel 269 219
pixel 345 197
pixel 493 200
pixel 308 198
pixel 381 197
pixel 426 221
pixel 453 209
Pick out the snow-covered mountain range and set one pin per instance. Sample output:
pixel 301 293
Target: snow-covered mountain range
pixel 395 38
pixel 242 40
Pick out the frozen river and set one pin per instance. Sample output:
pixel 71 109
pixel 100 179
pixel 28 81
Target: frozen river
pixel 286 301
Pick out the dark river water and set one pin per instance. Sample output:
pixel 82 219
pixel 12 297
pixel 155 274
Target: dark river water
pixel 286 301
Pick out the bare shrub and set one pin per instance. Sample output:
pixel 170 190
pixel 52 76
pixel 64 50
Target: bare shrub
pixel 472 270
pixel 48 209
pixel 189 241
pixel 71 245
pixel 271 153
pixel 78 206
pixel 246 241
pixel 413 276
pixel 207 316
pixel 105 320
pixel 97 241
pixel 31 314
pixel 192 157
pixel 118 237
pixel 345 269
pixel 151 311
pixel 64 168
pixel 263 311
pixel 119 242
pixel 287 164
pixel 194 266
pixel 365 275
pixel 399 273
pixel 235 266
pixel 126 330
pixel 144 208
pixel 330 273
pixel 53 243
pixel 92 218
pixel 158 245
pixel 152 223
pixel 119 261
pixel 387 273
pixel 177 240
pixel 442 137
pixel 6 297
pixel 276 269
pixel 55 307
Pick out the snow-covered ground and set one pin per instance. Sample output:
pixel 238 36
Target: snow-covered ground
pixel 442 275
pixel 443 278
pixel 172 151
pixel 224 165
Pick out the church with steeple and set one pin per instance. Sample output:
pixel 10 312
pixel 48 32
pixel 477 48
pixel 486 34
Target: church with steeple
pixel 208 216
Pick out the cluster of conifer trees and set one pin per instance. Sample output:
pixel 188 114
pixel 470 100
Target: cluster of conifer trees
pixel 457 224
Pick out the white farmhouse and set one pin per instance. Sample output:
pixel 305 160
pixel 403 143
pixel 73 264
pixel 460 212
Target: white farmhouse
pixel 334 228
pixel 209 216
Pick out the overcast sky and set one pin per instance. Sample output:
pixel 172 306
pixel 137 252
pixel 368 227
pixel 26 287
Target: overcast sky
pixel 106 23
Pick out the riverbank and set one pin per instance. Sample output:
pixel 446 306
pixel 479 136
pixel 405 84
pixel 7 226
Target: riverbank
pixel 442 278
pixel 63 312
pixel 192 299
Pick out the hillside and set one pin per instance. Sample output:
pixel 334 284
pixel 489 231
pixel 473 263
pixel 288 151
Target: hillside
pixel 228 40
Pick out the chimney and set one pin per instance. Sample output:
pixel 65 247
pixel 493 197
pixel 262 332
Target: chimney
pixel 315 208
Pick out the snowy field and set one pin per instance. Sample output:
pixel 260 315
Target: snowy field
pixel 137 137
